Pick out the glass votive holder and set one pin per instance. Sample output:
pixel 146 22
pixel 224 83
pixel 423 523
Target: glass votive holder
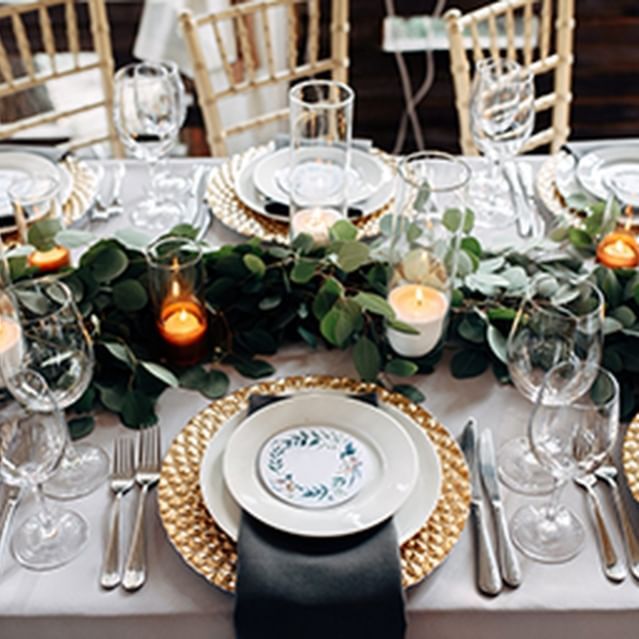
pixel 176 277
pixel 321 122
pixel 32 198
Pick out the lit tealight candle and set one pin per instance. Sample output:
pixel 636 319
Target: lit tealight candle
pixel 52 260
pixel 422 307
pixel 10 345
pixel 315 222
pixel 618 250
pixel 183 325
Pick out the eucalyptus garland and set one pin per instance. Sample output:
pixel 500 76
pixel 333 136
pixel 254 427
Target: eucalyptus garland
pixel 262 297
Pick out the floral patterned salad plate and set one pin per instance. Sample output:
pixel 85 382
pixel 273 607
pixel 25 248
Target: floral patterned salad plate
pixel 320 469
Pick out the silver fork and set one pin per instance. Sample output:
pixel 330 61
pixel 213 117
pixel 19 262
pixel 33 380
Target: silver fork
pixel 608 472
pixel 612 567
pixel 122 480
pixel 146 475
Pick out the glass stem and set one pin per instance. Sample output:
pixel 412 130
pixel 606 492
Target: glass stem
pixel 153 177
pixel 44 514
pixel 553 505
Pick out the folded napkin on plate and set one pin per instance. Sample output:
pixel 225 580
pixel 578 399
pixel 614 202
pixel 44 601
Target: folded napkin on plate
pixel 50 152
pixel 290 586
pixel 361 144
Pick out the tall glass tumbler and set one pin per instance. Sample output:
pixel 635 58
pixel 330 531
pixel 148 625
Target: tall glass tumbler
pixel 321 121
pixel 33 197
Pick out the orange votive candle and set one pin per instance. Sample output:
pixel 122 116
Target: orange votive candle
pixel 618 249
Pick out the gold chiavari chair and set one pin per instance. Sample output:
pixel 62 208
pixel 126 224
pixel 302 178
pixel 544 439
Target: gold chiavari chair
pixel 252 73
pixel 552 22
pixel 50 30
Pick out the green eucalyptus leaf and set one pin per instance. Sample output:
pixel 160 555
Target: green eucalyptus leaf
pixel 491 265
pixel 337 326
pixel 402 327
pixel 129 296
pixel 184 230
pixel 593 223
pixel 422 196
pixel 501 313
pixel 471 245
pixel 109 264
pixel 452 220
pixel 612 361
pixel 409 391
pixel 580 239
pixel 303 271
pixel 559 233
pixel 270 302
pixel 303 243
pixel 517 278
pixel 121 352
pixel 469 362
pixel 163 374
pixel 80 427
pixel 611 325
pixel 469 221
pixel 473 329
pixel 386 224
pixel 413 232
pixel 253 368
pixel 85 403
pixel 254 264
pixel 307 336
pixel 497 343
pixel 42 234
pixel 112 398
pixel 609 284
pixel 133 238
pixel 343 230
pixel 625 315
pixel 367 359
pixel 565 294
pixel 352 255
pixel 138 410
pixel 374 304
pixel 401 367
pixel 74 238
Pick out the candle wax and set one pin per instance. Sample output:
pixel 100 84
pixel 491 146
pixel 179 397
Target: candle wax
pixel 315 222
pixel 51 260
pixel 182 323
pixel 417 303
pixel 618 250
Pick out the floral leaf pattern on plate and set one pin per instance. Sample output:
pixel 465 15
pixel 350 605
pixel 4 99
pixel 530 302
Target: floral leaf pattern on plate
pixel 314 467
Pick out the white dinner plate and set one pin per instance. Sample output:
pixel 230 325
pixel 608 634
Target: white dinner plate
pixel 15 164
pixel 408 519
pixel 597 169
pixel 367 173
pixel 251 197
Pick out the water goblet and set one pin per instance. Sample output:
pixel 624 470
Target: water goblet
pixel 502 117
pixel 570 438
pixel 567 327
pixel 32 442
pixel 148 111
pixel 56 344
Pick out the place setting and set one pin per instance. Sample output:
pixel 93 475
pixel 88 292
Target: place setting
pixel 251 191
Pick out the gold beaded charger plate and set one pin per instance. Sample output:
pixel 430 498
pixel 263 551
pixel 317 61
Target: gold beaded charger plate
pixel 554 184
pixel 630 457
pixel 228 208
pixel 207 549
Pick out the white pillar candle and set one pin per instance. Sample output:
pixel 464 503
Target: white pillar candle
pixel 315 222
pixel 10 345
pixel 422 307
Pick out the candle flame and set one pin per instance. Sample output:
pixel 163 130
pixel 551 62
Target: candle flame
pixel 419 296
pixel 629 213
pixel 175 284
pixel 183 315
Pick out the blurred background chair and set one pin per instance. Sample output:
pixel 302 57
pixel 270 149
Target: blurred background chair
pixel 56 72
pixel 544 43
pixel 249 53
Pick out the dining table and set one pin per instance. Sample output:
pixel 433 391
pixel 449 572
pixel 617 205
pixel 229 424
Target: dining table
pixel 572 599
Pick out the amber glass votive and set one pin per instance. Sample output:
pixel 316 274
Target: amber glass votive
pixel 618 249
pixel 176 277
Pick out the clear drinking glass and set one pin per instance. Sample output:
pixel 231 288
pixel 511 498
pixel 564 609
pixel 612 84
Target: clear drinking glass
pixel 32 442
pixel 167 183
pixel 430 183
pixel 570 438
pixel 33 197
pixel 321 122
pixel 547 332
pixel 147 114
pixel 502 117
pixel 56 345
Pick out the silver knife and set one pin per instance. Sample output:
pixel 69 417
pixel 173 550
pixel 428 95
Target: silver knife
pixel 522 208
pixel 488 577
pixel 6 514
pixel 510 569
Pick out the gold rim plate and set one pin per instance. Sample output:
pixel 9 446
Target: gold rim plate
pixel 226 206
pixel 630 457
pixel 211 553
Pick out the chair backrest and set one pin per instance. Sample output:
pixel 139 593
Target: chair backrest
pixel 552 22
pixel 252 73
pixel 43 43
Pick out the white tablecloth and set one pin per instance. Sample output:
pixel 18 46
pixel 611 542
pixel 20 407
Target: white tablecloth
pixel 567 600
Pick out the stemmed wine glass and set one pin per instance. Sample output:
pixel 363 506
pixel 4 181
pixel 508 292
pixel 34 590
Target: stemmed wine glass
pixel 32 441
pixel 567 327
pixel 56 345
pixel 502 117
pixel 148 110
pixel 570 439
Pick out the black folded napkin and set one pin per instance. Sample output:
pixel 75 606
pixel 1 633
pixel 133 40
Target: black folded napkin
pixel 293 587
